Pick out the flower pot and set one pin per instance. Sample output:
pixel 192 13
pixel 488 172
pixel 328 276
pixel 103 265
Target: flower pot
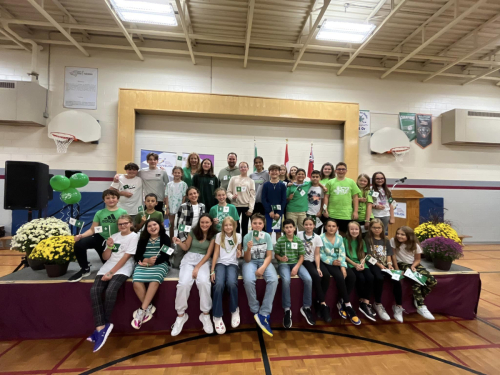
pixel 441 264
pixel 36 264
pixel 56 270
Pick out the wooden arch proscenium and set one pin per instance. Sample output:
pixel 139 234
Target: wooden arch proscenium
pixel 237 107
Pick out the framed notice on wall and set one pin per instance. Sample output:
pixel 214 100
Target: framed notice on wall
pixel 80 88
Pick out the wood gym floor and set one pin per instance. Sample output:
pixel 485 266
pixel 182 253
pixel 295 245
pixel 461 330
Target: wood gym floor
pixel 447 345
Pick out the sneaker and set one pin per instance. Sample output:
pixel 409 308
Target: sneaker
pixel 79 275
pixel 263 322
pixel 422 310
pixel 352 315
pixel 307 313
pixel 341 307
pixel 207 323
pixel 179 323
pixel 287 319
pixel 150 310
pixel 220 327
pixel 370 309
pixel 363 307
pixel 325 313
pixel 93 336
pixel 235 318
pixel 318 307
pixel 139 317
pixel 398 313
pixel 102 336
pixel 381 312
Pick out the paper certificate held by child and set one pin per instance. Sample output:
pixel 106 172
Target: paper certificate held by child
pixel 415 276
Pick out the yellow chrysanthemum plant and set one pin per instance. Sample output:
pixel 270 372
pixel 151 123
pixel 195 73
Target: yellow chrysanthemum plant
pixel 431 230
pixel 55 250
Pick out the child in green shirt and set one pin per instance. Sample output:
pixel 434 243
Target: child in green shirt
pixel 289 251
pixel 149 213
pixel 365 202
pixel 222 210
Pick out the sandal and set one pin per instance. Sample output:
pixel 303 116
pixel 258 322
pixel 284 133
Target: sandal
pixel 235 318
pixel 220 328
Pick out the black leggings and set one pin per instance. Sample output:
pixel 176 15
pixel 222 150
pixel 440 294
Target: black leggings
pixel 364 283
pixel 320 284
pixel 379 285
pixel 95 241
pixel 318 229
pixel 344 286
pixel 244 221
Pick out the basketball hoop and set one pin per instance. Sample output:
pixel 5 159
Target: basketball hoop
pixel 399 152
pixel 63 140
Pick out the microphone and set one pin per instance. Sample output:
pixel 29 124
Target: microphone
pixel 402 180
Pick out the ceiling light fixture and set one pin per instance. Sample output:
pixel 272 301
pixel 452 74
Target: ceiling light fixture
pixel 153 12
pixel 344 31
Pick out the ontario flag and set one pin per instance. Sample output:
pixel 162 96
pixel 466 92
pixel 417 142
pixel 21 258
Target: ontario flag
pixel 311 163
pixel 287 159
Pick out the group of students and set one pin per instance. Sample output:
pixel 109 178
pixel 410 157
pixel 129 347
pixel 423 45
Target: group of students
pixel 337 235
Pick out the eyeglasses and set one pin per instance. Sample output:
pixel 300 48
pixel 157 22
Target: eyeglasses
pixel 380 178
pixel 122 224
pixel 341 169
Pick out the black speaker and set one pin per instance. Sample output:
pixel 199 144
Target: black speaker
pixel 26 185
pixel 50 191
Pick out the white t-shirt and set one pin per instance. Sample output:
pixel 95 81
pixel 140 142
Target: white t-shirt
pixel 130 185
pixel 311 245
pixel 381 200
pixel 196 214
pixel 154 181
pixel 128 245
pixel 315 198
pixel 404 256
pixel 227 255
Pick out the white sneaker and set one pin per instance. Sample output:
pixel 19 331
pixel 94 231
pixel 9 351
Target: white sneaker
pixel 398 313
pixel 138 319
pixel 422 310
pixel 381 311
pixel 220 327
pixel 235 318
pixel 179 323
pixel 207 323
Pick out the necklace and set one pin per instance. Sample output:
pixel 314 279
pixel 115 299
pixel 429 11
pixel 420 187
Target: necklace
pixel 153 241
pixel 308 239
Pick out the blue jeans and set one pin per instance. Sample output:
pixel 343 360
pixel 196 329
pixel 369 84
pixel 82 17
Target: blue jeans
pixel 225 276
pixel 285 270
pixel 249 279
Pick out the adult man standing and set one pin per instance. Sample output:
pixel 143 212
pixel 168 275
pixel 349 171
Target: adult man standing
pixel 231 170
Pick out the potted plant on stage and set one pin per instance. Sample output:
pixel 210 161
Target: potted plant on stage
pixel 56 253
pixel 443 251
pixel 29 235
pixel 435 228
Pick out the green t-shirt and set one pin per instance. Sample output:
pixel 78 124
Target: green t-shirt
pixel 340 201
pixel 108 221
pixel 300 201
pixel 362 206
pixel 217 212
pixel 284 247
pixel 325 181
pixel 353 255
pixel 155 215
pixel 197 246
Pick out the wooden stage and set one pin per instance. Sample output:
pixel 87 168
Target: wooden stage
pixel 448 345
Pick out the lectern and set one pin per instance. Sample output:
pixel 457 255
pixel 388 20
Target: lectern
pixel 412 200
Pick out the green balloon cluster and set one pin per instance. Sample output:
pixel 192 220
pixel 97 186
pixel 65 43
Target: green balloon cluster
pixel 67 186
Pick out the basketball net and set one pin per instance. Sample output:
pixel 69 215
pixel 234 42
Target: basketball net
pixel 63 140
pixel 399 152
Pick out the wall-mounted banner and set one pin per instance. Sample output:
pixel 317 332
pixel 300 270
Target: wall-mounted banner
pixel 168 160
pixel 80 88
pixel 424 130
pixel 407 124
pixel 364 123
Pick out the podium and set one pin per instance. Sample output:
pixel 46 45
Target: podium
pixel 412 200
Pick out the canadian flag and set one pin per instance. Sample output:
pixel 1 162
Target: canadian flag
pixel 311 163
pixel 287 159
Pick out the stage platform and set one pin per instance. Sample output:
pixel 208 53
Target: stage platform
pixel 35 307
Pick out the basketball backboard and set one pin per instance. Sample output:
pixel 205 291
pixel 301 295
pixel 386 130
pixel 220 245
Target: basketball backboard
pixel 82 126
pixel 386 139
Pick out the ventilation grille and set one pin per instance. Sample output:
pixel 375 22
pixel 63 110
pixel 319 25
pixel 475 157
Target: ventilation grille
pixel 484 114
pixel 7 85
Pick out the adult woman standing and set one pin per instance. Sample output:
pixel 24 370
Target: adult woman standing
pixel 327 174
pixel 241 191
pixel 206 182
pixel 193 164
pixel 260 176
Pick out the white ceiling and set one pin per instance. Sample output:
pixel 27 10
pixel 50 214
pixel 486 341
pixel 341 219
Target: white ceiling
pixel 434 39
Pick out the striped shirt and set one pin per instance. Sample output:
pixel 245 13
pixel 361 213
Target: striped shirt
pixel 153 273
